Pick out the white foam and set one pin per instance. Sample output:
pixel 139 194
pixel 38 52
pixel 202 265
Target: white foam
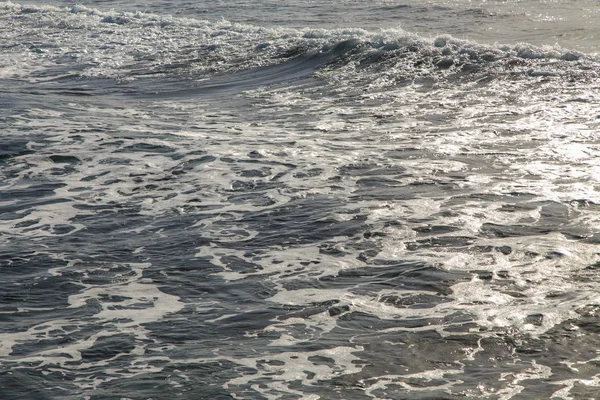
pixel 113 320
pixel 294 367
pixel 467 154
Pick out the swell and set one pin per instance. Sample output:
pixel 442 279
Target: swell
pixel 218 56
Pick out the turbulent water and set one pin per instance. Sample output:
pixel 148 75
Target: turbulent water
pixel 300 200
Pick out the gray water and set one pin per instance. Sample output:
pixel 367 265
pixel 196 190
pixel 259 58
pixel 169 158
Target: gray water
pixel 358 200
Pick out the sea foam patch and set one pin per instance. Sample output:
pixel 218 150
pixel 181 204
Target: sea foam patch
pixel 234 210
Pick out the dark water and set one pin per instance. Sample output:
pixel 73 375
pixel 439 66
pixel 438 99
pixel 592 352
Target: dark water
pixel 196 208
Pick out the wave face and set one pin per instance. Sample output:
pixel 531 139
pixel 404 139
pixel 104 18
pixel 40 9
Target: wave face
pixel 192 206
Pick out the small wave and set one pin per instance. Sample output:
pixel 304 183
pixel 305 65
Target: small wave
pixel 128 46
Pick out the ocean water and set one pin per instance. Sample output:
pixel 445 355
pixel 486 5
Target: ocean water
pixel 391 199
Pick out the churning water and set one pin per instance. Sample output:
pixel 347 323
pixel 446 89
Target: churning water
pixel 300 200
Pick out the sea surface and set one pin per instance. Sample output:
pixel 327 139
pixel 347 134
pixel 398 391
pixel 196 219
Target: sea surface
pixel 261 199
